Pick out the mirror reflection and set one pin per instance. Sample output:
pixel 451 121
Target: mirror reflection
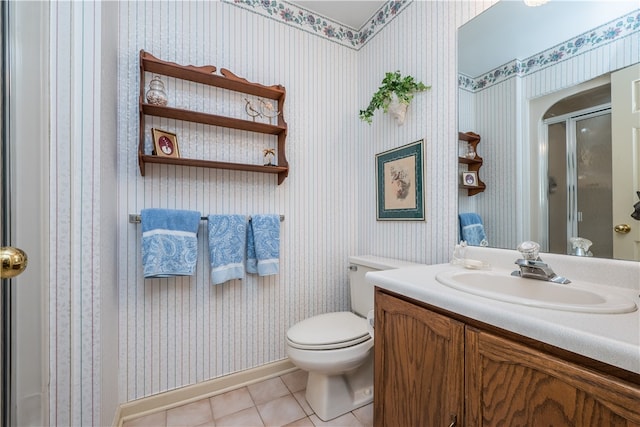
pixel 548 89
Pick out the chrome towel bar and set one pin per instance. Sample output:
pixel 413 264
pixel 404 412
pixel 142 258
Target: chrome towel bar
pixel 135 218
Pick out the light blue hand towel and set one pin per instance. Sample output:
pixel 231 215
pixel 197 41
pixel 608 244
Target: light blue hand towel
pixel 472 230
pixel 169 242
pixel 227 242
pixel 263 245
pixel 252 261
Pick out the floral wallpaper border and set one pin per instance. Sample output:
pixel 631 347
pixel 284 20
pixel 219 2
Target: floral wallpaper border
pixel 314 23
pixel 600 36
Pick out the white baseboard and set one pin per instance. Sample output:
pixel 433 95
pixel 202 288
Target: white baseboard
pixel 173 398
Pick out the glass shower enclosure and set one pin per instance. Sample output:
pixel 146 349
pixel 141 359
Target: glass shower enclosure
pixel 579 186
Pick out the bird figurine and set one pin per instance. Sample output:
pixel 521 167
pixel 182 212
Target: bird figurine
pixel 251 110
pixel 269 154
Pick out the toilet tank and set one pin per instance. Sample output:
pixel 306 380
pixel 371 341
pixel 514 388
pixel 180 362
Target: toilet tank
pixel 362 291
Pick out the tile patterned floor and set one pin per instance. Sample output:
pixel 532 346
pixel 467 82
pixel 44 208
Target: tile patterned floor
pixel 275 402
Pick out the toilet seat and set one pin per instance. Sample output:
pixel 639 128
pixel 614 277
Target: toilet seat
pixel 329 331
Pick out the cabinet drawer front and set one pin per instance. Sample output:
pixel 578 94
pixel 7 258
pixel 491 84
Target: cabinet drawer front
pixel 509 384
pixel 409 342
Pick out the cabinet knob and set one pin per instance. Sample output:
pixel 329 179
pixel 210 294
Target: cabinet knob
pixel 454 421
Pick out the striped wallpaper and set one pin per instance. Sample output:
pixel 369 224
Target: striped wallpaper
pixel 180 331
pixel 75 189
pixel 421 42
pixel 176 332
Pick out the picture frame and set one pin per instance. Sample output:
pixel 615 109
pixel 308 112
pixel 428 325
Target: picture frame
pixel 165 144
pixel 399 182
pixel 470 179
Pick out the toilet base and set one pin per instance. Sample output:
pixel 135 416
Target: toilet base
pixel 333 395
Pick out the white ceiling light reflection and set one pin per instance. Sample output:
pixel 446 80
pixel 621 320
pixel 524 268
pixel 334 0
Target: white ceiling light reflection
pixel 534 3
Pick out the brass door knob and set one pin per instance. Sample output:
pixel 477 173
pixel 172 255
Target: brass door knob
pixel 13 260
pixel 622 228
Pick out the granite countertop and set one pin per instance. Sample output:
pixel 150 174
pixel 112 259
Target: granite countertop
pixel 609 338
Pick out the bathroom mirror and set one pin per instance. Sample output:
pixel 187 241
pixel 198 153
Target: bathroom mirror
pixel 523 73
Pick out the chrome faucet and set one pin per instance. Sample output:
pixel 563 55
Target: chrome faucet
pixel 532 267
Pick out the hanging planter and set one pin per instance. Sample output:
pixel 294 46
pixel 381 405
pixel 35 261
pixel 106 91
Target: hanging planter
pixel 397 109
pixel 393 96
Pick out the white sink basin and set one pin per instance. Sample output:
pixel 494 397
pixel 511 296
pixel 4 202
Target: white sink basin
pixel 500 285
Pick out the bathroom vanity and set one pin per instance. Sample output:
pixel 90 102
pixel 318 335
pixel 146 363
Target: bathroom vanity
pixel 444 357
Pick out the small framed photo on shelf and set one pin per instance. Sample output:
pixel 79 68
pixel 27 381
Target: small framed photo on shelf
pixel 165 144
pixel 470 179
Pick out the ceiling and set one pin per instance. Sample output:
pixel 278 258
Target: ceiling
pixel 510 30
pixel 506 19
pixel 354 14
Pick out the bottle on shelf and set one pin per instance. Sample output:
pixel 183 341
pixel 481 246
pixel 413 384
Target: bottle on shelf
pixel 156 95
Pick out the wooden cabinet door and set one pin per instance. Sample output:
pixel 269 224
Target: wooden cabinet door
pixel 509 384
pixel 419 366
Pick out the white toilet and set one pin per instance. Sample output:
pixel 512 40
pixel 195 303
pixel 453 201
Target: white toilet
pixel 337 349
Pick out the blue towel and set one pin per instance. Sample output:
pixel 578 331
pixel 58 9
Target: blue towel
pixel 252 261
pixel 263 245
pixel 169 242
pixel 227 243
pixel 472 230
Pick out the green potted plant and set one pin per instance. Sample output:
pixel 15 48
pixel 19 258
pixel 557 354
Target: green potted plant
pixel 394 95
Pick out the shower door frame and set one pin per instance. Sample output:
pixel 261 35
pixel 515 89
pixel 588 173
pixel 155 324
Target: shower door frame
pixel 25 215
pixel 573 216
pixel 5 230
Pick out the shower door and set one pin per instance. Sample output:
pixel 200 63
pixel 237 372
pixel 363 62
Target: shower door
pixel 580 181
pixel 23 168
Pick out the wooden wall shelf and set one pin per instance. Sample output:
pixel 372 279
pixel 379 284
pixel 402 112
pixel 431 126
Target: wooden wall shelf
pixel 474 164
pixel 229 81
pixel 146 158
pixel 210 119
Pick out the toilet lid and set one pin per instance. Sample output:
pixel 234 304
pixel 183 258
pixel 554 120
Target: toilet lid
pixel 329 331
